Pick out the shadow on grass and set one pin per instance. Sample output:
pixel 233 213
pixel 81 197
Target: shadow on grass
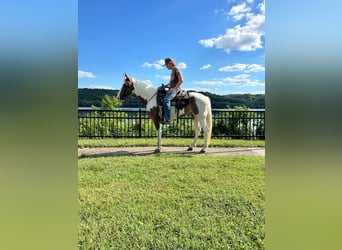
pixel 137 153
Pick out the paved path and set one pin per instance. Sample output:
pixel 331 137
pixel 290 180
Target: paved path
pixel 112 151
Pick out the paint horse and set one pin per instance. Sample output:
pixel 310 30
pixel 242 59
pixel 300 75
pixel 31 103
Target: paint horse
pixel 199 106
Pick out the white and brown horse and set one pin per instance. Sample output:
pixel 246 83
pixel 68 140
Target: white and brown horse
pixel 199 107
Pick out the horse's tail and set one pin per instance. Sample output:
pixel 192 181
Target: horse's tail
pixel 209 122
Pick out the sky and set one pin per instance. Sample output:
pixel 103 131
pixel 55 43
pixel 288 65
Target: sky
pixel 219 45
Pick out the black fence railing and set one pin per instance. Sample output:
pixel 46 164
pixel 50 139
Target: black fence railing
pixel 134 123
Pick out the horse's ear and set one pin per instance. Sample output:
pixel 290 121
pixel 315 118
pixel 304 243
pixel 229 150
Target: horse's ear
pixel 125 75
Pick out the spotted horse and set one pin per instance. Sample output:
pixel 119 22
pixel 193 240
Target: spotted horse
pixel 199 107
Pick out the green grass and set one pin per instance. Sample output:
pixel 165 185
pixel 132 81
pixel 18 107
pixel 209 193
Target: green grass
pixel 181 142
pixel 172 202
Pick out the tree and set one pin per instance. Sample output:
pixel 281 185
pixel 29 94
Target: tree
pixel 88 97
pixel 109 103
pixel 243 107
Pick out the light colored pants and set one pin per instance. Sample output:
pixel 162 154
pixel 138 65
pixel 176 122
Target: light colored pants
pixel 167 104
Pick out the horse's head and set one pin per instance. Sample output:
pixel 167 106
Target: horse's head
pixel 126 89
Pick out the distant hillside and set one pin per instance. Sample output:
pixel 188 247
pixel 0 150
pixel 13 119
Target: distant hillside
pixel 232 100
pixel 88 97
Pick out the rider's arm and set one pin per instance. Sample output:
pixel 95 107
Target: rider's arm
pixel 180 80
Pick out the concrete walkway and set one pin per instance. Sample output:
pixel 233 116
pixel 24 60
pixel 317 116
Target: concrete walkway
pixel 113 151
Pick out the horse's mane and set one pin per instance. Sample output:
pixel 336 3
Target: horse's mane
pixel 143 88
pixel 145 83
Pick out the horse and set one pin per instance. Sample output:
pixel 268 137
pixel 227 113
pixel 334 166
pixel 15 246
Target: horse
pixel 199 107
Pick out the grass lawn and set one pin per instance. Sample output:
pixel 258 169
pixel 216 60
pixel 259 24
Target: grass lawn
pixel 181 142
pixel 172 202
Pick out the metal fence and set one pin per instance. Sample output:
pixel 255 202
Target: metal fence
pixel 134 123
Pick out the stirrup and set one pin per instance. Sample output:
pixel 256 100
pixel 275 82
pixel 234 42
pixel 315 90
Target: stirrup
pixel 164 122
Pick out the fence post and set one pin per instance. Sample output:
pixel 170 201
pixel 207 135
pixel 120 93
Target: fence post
pixel 140 123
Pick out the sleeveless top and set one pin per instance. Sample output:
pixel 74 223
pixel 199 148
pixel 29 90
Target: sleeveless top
pixel 174 77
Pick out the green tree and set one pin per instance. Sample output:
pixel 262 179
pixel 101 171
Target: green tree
pixel 242 107
pixel 108 102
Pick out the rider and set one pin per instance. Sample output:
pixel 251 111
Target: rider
pixel 176 80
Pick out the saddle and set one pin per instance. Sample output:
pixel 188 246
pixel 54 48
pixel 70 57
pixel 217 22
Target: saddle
pixel 181 100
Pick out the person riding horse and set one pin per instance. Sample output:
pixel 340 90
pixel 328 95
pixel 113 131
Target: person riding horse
pixel 176 80
pixel 198 105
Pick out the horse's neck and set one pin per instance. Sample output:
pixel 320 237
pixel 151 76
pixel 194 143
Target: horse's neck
pixel 143 89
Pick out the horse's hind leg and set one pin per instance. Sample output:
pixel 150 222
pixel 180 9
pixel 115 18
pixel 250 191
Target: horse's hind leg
pixel 197 132
pixel 205 132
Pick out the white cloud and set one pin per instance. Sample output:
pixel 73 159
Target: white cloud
pixel 233 1
pixel 94 86
pixel 248 92
pixel 156 64
pixel 242 80
pixel 255 68
pixel 208 43
pixel 235 67
pixel 166 78
pixel 210 83
pixel 182 65
pixel 84 74
pixel 238 77
pixel 198 89
pixel 159 64
pixel 207 66
pixel 241 38
pixel 243 67
pixel 238 11
pixel 238 17
pixel 261 6
pixel 227 84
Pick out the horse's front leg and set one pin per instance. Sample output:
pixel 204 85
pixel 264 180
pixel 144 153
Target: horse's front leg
pixel 159 145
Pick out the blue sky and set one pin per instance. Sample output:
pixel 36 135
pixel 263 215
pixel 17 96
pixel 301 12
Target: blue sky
pixel 218 44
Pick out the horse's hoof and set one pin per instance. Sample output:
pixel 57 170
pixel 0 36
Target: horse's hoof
pixel 157 150
pixel 202 151
pixel 189 149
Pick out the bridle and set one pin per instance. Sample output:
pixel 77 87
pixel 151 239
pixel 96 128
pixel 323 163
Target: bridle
pixel 127 86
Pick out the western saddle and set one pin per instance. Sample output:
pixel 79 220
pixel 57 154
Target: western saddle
pixel 181 100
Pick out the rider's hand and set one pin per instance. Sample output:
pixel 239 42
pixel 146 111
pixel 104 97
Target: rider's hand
pixel 171 90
